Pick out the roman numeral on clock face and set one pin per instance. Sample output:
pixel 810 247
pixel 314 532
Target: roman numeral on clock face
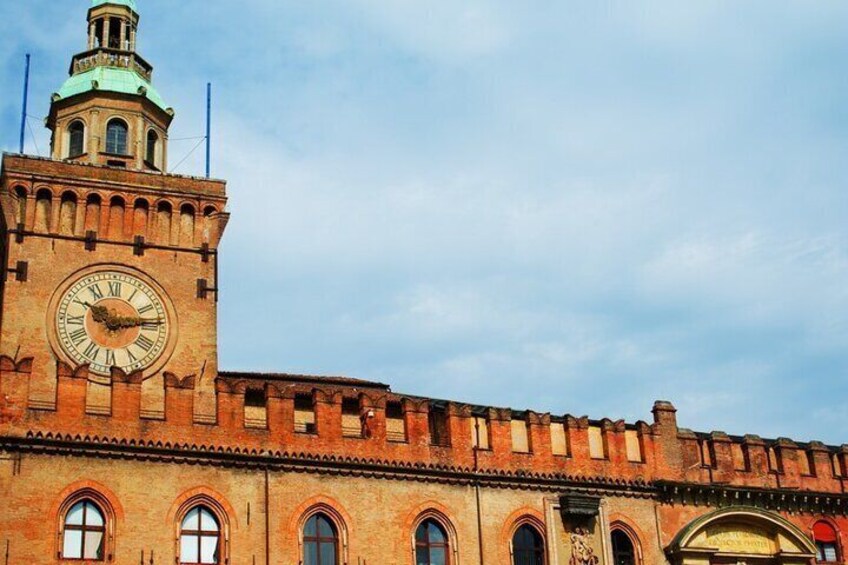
pixel 78 336
pixel 75 320
pixel 95 291
pixel 145 309
pixel 115 289
pixel 110 358
pixel 92 351
pixel 144 342
pixel 131 358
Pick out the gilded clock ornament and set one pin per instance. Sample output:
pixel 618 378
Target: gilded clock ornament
pixel 112 319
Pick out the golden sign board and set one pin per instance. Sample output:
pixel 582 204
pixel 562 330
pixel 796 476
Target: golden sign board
pixel 739 538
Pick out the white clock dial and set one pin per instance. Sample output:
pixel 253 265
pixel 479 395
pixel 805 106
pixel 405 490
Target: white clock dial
pixel 112 319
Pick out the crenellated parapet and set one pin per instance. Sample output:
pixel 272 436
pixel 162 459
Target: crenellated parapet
pixel 323 417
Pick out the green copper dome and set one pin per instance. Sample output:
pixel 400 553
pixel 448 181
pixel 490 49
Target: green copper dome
pixel 129 3
pixel 110 79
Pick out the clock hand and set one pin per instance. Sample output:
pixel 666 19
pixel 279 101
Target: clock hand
pixel 100 314
pixel 113 322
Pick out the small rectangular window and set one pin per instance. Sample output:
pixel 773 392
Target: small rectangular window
pixel 597 443
pixel 351 421
pixel 395 424
pixel 438 424
pixel 520 438
pixel 633 444
pixel 255 410
pixel 480 432
pixel 304 414
pixel 559 439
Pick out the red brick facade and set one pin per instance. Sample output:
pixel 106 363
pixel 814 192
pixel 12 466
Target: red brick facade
pixel 268 456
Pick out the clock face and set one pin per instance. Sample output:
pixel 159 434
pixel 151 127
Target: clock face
pixel 112 319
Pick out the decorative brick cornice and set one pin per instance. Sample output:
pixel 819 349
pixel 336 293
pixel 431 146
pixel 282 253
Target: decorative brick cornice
pixel 177 453
pixel 691 494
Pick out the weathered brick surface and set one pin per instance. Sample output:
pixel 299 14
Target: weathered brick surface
pixel 147 446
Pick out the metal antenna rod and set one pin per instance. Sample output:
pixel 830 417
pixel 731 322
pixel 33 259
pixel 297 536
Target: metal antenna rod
pixel 208 127
pixel 24 107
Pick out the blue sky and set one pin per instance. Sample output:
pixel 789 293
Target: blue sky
pixel 572 207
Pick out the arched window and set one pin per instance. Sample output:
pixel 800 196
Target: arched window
pixel 527 547
pixel 84 532
pixel 200 537
pixel 623 552
pixel 150 154
pixel 320 541
pixel 827 549
pixel 431 544
pixel 116 137
pixel 76 139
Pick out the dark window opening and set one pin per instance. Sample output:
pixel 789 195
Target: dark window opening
pixel 255 398
pixel 76 139
pixel 98 33
pixel 438 423
pixel 114 33
pixel 623 552
pixel 527 547
pixel 116 137
pixel 150 154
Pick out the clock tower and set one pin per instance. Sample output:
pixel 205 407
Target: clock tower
pixel 110 263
